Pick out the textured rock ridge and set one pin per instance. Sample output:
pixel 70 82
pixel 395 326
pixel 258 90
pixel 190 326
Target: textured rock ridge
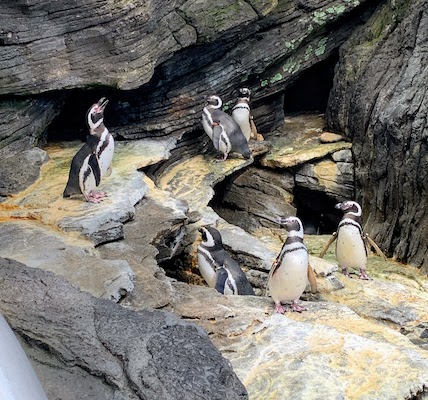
pixel 379 100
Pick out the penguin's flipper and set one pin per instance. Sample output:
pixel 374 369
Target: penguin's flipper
pixel 273 268
pixel 217 130
pixel 326 247
pixel 93 163
pixel 375 246
pixel 109 171
pixel 312 279
pixel 221 278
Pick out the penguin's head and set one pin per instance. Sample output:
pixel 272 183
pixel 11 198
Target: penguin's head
pixel 350 207
pixel 95 115
pixel 292 225
pixel 211 237
pixel 244 93
pixel 214 101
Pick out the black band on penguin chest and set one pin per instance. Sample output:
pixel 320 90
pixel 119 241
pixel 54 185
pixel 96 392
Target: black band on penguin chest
pixel 104 145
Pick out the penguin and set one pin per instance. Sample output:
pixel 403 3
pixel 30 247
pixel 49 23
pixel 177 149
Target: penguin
pixel 351 249
pixel 241 112
pixel 288 276
pixel 218 269
pixel 222 129
pixel 93 161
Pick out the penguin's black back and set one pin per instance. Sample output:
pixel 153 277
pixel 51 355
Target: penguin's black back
pixel 73 186
pixel 237 139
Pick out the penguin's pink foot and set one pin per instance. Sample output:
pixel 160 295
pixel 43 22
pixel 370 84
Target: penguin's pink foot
pixel 95 197
pixel 296 307
pixel 91 199
pixel 279 308
pixel 363 275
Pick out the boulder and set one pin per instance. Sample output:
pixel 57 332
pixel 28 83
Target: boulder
pixel 257 197
pixel 74 259
pixel 81 346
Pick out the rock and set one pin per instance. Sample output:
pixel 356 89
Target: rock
pixel 74 259
pixel 380 103
pixel 155 235
pixel 334 179
pixel 81 346
pixel 343 156
pixel 330 137
pixel 99 222
pixel 258 344
pixel 23 122
pixel 20 170
pixel 197 187
pixel 257 197
pixel 286 152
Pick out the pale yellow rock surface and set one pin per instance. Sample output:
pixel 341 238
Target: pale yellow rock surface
pixel 299 142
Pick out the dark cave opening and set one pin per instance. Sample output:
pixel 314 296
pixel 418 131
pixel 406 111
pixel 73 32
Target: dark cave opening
pixel 70 124
pixel 316 211
pixel 310 92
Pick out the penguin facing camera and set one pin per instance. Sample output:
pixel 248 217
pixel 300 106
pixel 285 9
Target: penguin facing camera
pixel 93 161
pixel 222 129
pixel 241 113
pixel 290 272
pixel 219 270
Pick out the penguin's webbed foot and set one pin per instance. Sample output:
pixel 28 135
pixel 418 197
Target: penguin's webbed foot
pixel 363 275
pixel 279 308
pixel 221 158
pixel 345 272
pixel 95 197
pixel 296 307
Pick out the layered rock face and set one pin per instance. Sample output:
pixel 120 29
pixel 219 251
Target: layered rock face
pixel 379 99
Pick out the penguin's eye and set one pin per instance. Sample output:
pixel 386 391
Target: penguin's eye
pixel 204 236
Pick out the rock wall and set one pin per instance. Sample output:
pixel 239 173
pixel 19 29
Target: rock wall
pixel 380 100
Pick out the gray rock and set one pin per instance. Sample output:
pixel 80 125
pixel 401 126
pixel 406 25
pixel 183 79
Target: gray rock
pixel 257 197
pixel 334 179
pixel 18 171
pixel 379 101
pixel 74 259
pixel 87 347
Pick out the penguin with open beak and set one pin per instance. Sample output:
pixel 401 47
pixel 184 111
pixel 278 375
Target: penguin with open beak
pixel 93 161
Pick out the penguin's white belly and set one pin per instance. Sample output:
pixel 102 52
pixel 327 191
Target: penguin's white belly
pixel 242 118
pixel 350 248
pixel 206 269
pixel 224 144
pixel 106 157
pixel 87 181
pixel 291 278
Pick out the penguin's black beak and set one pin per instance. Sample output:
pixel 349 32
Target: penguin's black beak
pixel 282 220
pixel 339 206
pixel 102 103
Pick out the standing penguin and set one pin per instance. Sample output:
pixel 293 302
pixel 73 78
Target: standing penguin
pixel 222 129
pixel 93 161
pixel 351 249
pixel 218 269
pixel 288 276
pixel 241 112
